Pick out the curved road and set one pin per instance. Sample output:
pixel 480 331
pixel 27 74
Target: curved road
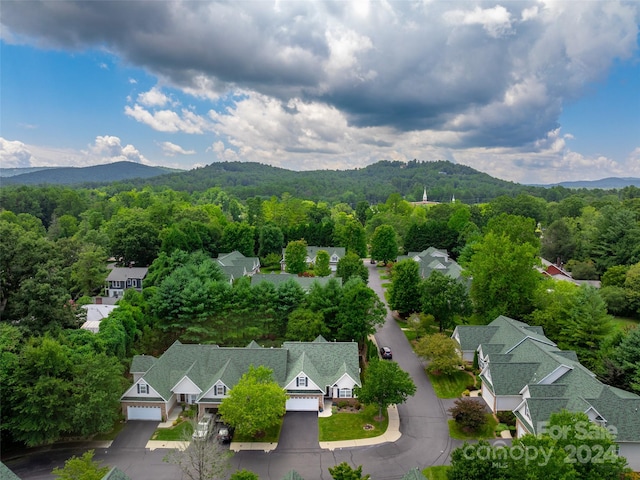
pixel 423 422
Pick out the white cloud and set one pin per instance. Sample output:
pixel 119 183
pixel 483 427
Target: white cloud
pixel 168 120
pixel 171 149
pixel 133 81
pixel 496 21
pixel 14 154
pixel 109 149
pixel 153 98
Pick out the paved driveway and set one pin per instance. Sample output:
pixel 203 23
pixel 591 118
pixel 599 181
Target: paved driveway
pixel 135 434
pixel 299 431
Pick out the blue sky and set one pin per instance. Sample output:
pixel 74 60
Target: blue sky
pixel 534 92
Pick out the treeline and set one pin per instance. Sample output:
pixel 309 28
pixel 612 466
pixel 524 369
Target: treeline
pixel 374 183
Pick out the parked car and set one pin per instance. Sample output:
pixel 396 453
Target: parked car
pixel 225 434
pixel 385 352
pixel 203 427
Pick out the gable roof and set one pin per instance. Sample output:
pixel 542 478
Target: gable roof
pixel 277 279
pixel 324 362
pixel 119 274
pixel 6 473
pixel 141 363
pixel 205 365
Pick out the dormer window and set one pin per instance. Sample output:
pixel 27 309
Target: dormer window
pixel 302 381
pixel 221 390
pixel 143 388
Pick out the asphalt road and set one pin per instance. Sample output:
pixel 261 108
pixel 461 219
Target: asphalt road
pixel 423 422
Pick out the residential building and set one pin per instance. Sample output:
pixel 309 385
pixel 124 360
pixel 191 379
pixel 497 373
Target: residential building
pixel 525 372
pixel 279 278
pixel 335 254
pixel 433 259
pixel 95 314
pixel 123 278
pixel 203 375
pixel 235 265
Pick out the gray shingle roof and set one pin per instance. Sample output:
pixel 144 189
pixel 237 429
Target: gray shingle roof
pixel 120 274
pixel 280 278
pixel 141 363
pixel 6 473
pixel 115 474
pixel 323 362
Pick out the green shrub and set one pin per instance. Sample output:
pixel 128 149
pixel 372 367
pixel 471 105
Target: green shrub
pixel 507 417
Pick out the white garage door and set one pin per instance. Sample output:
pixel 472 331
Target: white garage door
pixel 144 413
pixel 302 404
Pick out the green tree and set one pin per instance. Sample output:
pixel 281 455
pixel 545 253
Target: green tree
pixel 325 299
pixel 321 267
pixel 632 288
pixel 133 238
pixel 350 233
pixel 344 471
pixel 617 240
pixel 586 326
pixel 81 468
pixel 626 357
pixel 305 325
pixel 270 240
pixel 445 298
pixel 558 244
pixel 361 311
pixel 404 292
pixel 255 403
pixel 351 266
pixel 504 278
pixel 384 244
pixel 295 257
pixel 244 475
pixel 579 432
pixel 472 462
pixel 442 352
pixel 89 273
pixel 385 384
pixel 240 237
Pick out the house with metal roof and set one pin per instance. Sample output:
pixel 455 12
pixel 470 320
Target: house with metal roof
pixel 525 372
pixel 203 375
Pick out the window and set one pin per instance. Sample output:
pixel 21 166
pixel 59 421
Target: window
pixel 344 393
pixel 220 390
pixel 143 388
pixel 302 381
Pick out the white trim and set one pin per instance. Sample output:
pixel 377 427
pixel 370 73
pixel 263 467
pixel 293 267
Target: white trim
pixel 186 385
pixel 132 391
pixel 558 372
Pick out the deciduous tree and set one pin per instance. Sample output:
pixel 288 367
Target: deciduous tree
pixel 385 384
pixel 445 298
pixel 351 266
pixel 255 403
pixel 404 292
pixel 295 257
pixel 442 352
pixel 344 471
pixel 81 468
pixel 384 244
pixel 321 267
pixel 361 311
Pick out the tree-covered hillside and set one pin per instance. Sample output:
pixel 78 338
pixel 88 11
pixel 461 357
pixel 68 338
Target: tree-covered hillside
pixel 442 179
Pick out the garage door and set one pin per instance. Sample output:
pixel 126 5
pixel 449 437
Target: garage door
pixel 302 404
pixel 144 413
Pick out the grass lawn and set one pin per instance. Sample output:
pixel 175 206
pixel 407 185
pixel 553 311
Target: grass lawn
pixel 436 473
pixel 623 322
pixel 350 426
pixel 182 431
pixel 117 428
pixel 488 431
pixel 271 435
pixel 450 386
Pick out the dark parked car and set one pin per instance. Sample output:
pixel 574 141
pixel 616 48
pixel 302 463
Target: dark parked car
pixel 225 434
pixel 385 352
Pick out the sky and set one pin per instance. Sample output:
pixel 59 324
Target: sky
pixel 527 91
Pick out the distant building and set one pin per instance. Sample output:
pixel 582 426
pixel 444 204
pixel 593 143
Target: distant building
pixel 123 278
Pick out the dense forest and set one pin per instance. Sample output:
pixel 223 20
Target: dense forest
pixel 56 242
pixel 374 183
